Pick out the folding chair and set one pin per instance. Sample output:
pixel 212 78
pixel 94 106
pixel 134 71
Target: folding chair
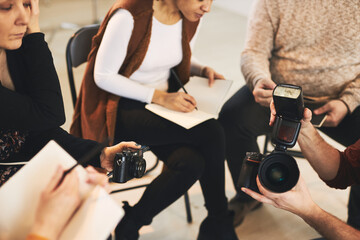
pixel 77 51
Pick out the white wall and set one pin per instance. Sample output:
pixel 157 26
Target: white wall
pixel 239 6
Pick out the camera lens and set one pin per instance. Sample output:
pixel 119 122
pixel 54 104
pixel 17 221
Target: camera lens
pixel 278 172
pixel 139 167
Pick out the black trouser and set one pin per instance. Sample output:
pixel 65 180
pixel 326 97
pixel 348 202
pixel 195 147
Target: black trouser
pixel 196 153
pixel 244 120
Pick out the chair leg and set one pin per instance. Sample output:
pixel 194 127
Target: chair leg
pixel 187 207
pixel 267 139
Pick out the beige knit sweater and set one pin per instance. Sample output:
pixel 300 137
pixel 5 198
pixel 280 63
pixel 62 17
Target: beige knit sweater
pixel 311 43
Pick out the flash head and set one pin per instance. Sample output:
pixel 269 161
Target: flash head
pixel 288 101
pixel 289 106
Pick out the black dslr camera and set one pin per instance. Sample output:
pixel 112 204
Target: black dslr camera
pixel 278 171
pixel 129 164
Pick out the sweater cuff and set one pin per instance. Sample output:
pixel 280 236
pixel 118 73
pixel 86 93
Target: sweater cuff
pixel 350 101
pixel 32 38
pixel 150 96
pixel 251 83
pixel 33 236
pixel 196 68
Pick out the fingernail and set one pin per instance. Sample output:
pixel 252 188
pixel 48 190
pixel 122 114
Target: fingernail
pixel 243 189
pixel 136 144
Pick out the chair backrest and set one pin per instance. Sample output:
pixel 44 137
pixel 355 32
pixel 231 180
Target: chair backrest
pixel 77 51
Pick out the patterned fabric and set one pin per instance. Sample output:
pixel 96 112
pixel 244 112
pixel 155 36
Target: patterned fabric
pixel 6 172
pixel 10 143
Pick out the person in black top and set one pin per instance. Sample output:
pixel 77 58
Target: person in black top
pixel 32 108
pixel 32 111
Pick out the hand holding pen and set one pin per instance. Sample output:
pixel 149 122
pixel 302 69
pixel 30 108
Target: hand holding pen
pixel 58 202
pixel 178 101
pixel 180 83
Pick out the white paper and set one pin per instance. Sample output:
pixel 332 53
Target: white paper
pixel 209 102
pixel 19 197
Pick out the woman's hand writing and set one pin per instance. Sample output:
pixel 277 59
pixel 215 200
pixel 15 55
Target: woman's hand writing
pixel 57 204
pixel 178 101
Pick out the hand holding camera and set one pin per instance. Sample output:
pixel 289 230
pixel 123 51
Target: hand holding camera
pixel 129 164
pixel 298 200
pixel 108 154
pixel 278 171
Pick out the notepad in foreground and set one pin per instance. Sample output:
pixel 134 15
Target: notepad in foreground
pixel 95 219
pixel 209 102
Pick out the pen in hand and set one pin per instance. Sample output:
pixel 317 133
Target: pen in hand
pixel 179 82
pixel 87 157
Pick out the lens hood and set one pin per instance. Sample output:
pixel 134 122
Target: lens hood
pixel 278 172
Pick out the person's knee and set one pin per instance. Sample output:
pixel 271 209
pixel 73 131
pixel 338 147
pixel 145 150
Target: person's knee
pixel 193 162
pixel 214 131
pixel 226 115
pixel 236 110
pixel 188 161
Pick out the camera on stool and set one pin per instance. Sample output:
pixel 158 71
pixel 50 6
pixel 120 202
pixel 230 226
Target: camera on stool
pixel 129 164
pixel 278 171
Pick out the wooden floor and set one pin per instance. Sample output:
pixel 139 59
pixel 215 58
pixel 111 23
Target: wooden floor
pixel 219 44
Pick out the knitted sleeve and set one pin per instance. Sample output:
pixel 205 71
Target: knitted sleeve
pixel 258 45
pixel 351 94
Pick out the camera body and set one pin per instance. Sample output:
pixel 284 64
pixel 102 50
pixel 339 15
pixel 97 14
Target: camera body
pixel 278 171
pixel 129 164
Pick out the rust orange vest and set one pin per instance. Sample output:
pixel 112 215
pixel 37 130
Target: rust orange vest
pixel 95 111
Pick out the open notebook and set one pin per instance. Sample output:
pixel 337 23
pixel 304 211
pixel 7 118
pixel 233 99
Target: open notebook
pixel 97 216
pixel 209 102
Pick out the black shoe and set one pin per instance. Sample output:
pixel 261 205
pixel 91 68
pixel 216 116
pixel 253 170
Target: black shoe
pixel 127 229
pixel 218 228
pixel 241 208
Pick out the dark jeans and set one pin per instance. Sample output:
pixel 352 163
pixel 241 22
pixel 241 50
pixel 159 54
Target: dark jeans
pixel 189 155
pixel 244 120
